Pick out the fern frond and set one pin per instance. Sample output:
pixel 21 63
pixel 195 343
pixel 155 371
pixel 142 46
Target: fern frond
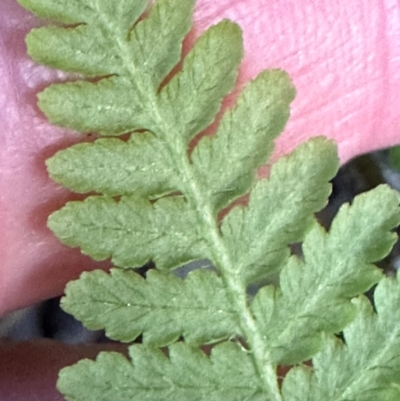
pixel 366 365
pixel 157 200
pixel 315 294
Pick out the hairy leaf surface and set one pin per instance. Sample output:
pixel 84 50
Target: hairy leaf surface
pixel 364 368
pixel 278 215
pixel 103 45
pixel 187 374
pixel 137 61
pixel 139 166
pixel 124 103
pixel 131 231
pixel 162 307
pixel 208 74
pixel 123 13
pixel 315 294
pixel 245 135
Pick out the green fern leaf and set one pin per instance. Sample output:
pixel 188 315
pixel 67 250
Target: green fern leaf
pixel 87 48
pixel 209 72
pixel 114 167
pixel 196 308
pixel 279 215
pixel 92 48
pixel 77 12
pixel 315 295
pixel 159 199
pixel 118 105
pixel 188 374
pixel 245 130
pixel 366 366
pixel 132 230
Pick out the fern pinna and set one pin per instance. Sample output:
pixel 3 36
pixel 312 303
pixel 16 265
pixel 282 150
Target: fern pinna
pixel 156 197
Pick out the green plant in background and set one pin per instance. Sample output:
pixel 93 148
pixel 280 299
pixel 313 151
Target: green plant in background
pixel 394 156
pixel 159 200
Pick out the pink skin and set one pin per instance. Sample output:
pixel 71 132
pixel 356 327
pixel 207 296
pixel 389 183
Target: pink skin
pixel 344 61
pixel 28 371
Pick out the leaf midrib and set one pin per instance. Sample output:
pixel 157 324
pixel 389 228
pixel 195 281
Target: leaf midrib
pixel 206 218
pixel 122 305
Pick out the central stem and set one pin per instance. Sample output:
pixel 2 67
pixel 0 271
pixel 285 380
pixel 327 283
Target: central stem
pixel 235 286
pixel 232 278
